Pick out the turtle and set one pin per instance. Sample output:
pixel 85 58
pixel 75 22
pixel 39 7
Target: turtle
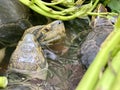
pixel 14 24
pixel 101 29
pixel 15 18
pixel 28 58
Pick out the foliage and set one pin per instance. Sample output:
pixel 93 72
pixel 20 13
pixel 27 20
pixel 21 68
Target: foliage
pixel 58 9
pixel 114 5
pixel 67 9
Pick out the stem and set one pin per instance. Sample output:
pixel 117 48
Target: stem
pixel 63 12
pixel 102 13
pixel 47 9
pixel 116 84
pixel 94 5
pixel 3 81
pixel 81 12
pixel 72 9
pixel 58 8
pixel 52 4
pixel 108 77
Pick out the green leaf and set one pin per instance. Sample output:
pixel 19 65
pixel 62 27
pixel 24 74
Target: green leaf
pixel 114 5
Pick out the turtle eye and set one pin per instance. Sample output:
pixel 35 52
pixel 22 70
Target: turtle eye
pixel 59 22
pixel 46 29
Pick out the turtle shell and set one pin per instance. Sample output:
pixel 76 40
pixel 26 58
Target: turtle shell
pixel 13 21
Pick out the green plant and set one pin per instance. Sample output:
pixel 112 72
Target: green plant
pixel 65 12
pixel 3 81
